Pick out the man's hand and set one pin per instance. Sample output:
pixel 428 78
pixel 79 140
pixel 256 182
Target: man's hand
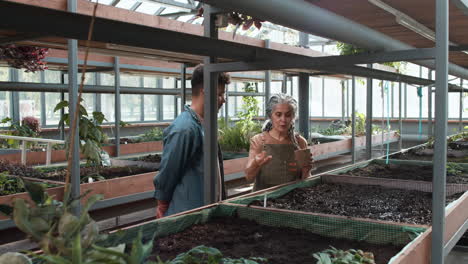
pixel 161 209
pixel 262 158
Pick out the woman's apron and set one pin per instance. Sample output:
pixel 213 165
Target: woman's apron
pixel 282 168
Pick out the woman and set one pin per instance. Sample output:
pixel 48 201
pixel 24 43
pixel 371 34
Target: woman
pixel 271 157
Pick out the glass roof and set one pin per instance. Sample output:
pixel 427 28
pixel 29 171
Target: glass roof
pixel 165 8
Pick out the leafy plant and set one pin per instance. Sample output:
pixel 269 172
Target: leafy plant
pixel 454 169
pixel 19 170
pixel 9 185
pixel 209 255
pixel 29 127
pixel 63 237
pixel 91 135
pixel 237 137
pixel 24 57
pixel 155 134
pixel 338 256
pixel 348 49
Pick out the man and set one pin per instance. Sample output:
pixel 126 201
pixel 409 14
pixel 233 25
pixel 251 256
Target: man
pixel 179 184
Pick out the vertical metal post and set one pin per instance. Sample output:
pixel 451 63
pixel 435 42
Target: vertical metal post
pixel 159 98
pixel 226 109
pixel 98 95
pixel 175 99
pixel 267 79
pixel 343 103
pixel 353 121
pixel 285 84
pixel 43 104
pixel 369 117
pixel 117 105
pixel 15 102
pixel 406 100
pixel 392 99
pixel 440 146
pixel 460 121
pixel 347 99
pixel 304 104
pixel 400 121
pixel 210 85
pixel 183 80
pixel 62 111
pixel 142 99
pixel 429 106
pixel 73 98
pixel 323 89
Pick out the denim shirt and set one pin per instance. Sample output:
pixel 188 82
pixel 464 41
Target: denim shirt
pixel 180 178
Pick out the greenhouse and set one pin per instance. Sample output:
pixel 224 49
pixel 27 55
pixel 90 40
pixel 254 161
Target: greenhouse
pixel 183 131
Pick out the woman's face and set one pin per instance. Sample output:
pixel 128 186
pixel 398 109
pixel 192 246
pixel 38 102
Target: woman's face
pixel 282 117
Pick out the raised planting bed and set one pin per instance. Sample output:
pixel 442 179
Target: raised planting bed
pixel 280 237
pixel 425 153
pixel 134 148
pixel 340 195
pixel 331 149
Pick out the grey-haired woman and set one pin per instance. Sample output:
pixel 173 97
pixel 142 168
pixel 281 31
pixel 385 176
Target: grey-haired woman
pixel 271 157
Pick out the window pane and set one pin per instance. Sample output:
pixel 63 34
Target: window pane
pixel 4 105
pixel 30 104
pixel 108 106
pixel 130 107
pixel 51 100
pixel 52 76
pixel 168 107
pixel 333 99
pixel 4 74
pixel 29 76
pixel 151 107
pixel 130 80
pixel 316 97
pixel 107 79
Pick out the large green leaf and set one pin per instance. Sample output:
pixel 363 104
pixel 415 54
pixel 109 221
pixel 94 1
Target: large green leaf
pixel 99 117
pixel 36 191
pixel 61 105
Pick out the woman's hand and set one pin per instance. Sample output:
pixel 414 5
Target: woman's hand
pixel 307 167
pixel 262 158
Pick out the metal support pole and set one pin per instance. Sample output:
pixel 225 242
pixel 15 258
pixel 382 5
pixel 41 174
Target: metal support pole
pixel 304 104
pixel 285 84
pixel 369 117
pixel 267 79
pixel 429 107
pixel 347 99
pixel 440 146
pixel 175 99
pixel 460 124
pixel 400 121
pixel 142 100
pixel 117 105
pixel 353 121
pixel 392 99
pixel 406 100
pixel 323 89
pixel 210 85
pixel 159 98
pixel 343 103
pixel 98 95
pixel 15 102
pixel 73 98
pixel 183 79
pixel 62 111
pixel 226 109
pixel 42 102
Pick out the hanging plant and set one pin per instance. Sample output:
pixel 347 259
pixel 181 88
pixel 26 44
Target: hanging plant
pixel 236 19
pixel 348 49
pixel 24 57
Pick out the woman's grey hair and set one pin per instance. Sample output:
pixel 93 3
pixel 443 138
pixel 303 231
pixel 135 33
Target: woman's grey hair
pixel 281 99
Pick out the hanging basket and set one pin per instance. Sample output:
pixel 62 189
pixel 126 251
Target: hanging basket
pixel 24 57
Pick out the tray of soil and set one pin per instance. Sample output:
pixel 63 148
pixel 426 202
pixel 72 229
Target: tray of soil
pixel 425 153
pixel 419 171
pixel 242 232
pixel 351 197
pixel 151 162
pixel 96 173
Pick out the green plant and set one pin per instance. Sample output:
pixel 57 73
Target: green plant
pixel 155 134
pixel 209 255
pixel 65 238
pixel 91 135
pixel 27 128
pixel 338 256
pixel 9 185
pixel 348 49
pixel 237 137
pixel 454 169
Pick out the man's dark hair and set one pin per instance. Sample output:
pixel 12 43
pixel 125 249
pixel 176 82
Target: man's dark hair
pixel 197 79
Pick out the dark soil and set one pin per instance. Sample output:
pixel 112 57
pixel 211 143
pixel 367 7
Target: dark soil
pixel 364 201
pixel 240 238
pixel 151 158
pixel 106 172
pixel 18 169
pixel 427 154
pixel 408 172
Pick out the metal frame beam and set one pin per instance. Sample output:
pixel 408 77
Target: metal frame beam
pixel 369 117
pixel 440 145
pixel 20 37
pixel 353 121
pixel 117 105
